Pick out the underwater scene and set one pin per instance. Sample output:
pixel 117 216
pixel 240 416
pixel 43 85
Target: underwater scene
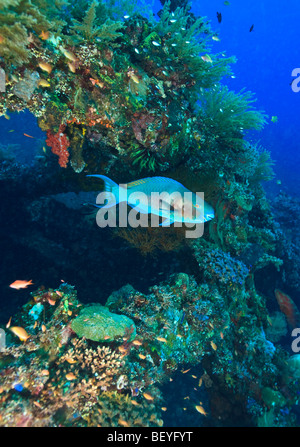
pixel 150 206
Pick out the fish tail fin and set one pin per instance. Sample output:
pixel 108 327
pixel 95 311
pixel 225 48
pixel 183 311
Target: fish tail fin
pixel 111 191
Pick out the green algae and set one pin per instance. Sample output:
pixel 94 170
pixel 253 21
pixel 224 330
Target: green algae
pixel 97 323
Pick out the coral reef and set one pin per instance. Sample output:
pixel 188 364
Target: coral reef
pixel 134 95
pixel 286 210
pixel 67 380
pixel 98 324
pixel 149 240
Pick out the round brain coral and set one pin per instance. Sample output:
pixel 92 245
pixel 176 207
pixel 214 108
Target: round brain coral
pixel 97 323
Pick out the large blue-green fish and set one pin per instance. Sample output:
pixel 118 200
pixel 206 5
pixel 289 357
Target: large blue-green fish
pixel 176 203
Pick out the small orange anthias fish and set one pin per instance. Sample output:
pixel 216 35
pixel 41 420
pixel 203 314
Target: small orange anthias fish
pixel 45 66
pixel 20 284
